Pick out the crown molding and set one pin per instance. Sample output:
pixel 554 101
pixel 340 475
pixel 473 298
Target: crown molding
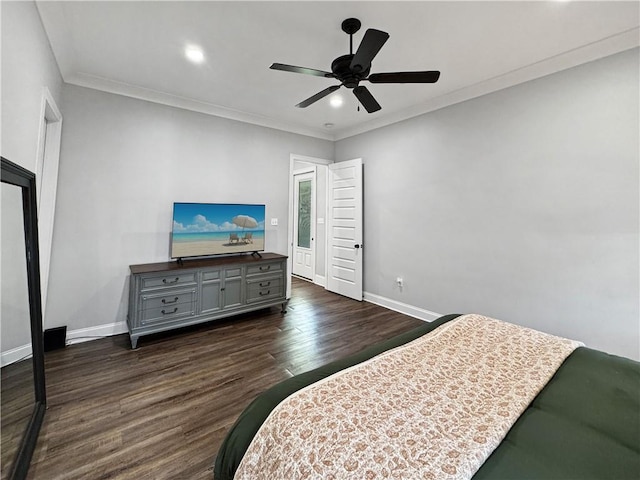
pixel 572 58
pixel 82 79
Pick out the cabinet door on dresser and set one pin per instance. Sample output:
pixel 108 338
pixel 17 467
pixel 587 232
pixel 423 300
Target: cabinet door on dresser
pixel 210 291
pixel 221 289
pixel 232 288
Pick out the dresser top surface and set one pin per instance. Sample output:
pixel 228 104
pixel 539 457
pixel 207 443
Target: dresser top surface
pixel 205 262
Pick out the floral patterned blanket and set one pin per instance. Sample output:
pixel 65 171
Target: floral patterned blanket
pixel 434 408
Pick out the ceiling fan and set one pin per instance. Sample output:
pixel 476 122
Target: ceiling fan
pixel 352 69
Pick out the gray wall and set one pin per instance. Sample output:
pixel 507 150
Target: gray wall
pixel 123 163
pixel 521 204
pixel 28 65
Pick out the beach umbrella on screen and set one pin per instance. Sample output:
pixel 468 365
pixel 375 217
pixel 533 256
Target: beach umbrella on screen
pixel 245 221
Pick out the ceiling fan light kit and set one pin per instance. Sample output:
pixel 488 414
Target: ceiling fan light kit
pixel 352 69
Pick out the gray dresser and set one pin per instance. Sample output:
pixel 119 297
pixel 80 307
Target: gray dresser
pixel 168 295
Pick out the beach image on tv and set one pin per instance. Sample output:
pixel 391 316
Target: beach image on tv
pixel 201 229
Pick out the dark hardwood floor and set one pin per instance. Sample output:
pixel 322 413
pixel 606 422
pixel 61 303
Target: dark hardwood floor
pixel 16 407
pixel 161 411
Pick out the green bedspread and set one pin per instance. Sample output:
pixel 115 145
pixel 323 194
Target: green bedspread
pixel 585 424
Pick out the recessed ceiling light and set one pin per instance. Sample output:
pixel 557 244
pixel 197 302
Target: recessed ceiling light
pixel 336 101
pixel 194 54
pixel 328 125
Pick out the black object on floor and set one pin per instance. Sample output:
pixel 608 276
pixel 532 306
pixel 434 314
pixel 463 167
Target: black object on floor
pixel 55 338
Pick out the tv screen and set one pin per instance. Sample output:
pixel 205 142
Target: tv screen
pixel 202 229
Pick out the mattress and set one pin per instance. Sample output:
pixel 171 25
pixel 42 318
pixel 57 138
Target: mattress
pixel 584 423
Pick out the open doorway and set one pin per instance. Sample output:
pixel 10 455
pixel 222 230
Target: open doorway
pixel 310 247
pixel 304 223
pixel 47 162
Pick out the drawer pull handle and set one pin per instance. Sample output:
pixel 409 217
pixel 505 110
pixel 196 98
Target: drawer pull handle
pixel 263 269
pixel 262 294
pixel 169 313
pixel 265 284
pixel 164 280
pixel 166 302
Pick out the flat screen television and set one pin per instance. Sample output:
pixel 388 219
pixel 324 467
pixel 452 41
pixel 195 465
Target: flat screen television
pixel 204 229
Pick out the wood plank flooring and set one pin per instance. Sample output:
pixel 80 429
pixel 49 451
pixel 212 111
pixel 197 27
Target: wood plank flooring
pixel 16 407
pixel 162 411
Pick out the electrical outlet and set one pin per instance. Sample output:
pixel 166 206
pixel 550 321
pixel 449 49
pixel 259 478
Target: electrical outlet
pixel 274 222
pixel 400 282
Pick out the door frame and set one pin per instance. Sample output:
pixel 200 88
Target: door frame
pixel 47 163
pixel 312 169
pixel 293 158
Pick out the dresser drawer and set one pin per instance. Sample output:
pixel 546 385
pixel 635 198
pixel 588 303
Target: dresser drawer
pixel 171 280
pixel 167 299
pixel 264 268
pixel 265 282
pixel 264 289
pixel 166 314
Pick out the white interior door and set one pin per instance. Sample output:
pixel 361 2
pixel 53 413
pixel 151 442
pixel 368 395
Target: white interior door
pixel 300 164
pixel 344 230
pixel 304 224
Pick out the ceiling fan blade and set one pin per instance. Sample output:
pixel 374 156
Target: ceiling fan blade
pixel 369 47
pixel 318 96
pixel 366 99
pixel 405 77
pixel 306 71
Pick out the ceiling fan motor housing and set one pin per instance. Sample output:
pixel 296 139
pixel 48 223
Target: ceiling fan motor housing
pixel 341 68
pixel 352 69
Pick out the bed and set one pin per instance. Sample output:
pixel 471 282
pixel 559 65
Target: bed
pixel 581 422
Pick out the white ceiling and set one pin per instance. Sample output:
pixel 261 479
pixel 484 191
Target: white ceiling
pixel 136 49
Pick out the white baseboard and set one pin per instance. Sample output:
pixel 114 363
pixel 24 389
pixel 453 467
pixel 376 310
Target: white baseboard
pixel 15 354
pixel 320 280
pixel 416 312
pixel 73 336
pixel 93 333
pixel 109 329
